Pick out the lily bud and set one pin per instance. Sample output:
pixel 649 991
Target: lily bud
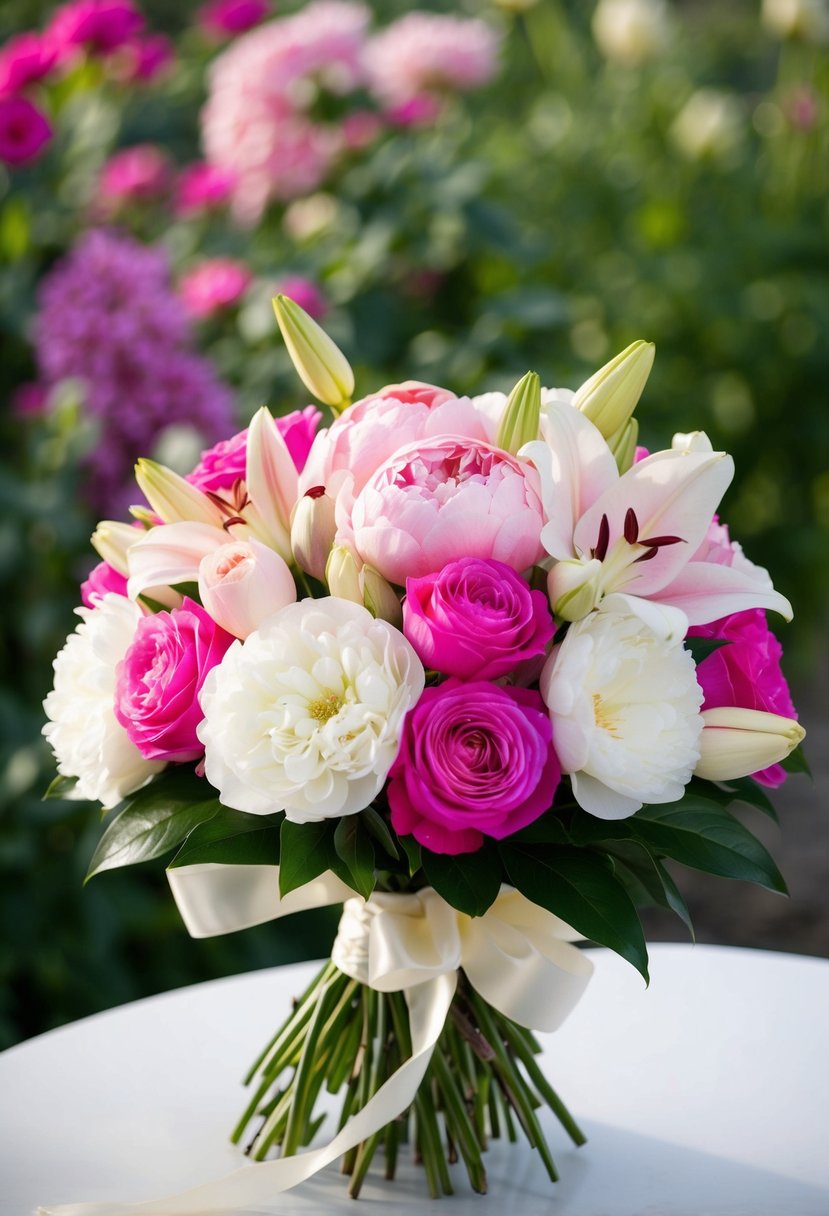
pixel 112 539
pixel 146 517
pixel 172 498
pixel 623 445
pixel 609 397
pixel 242 583
pixel 574 588
pixel 313 528
pixel 343 575
pixel 519 424
pixel 691 441
pixel 321 365
pixel 736 742
pixel 380 598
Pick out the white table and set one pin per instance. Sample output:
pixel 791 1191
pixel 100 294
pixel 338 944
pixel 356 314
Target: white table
pixel 707 1095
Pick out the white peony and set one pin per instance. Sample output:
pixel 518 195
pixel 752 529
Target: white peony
pixel 88 741
pixel 624 704
pixel 305 716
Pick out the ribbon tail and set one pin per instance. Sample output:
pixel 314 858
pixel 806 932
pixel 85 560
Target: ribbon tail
pixel 254 1186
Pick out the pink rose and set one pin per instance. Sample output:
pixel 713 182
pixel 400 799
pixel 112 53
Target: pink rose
pixel 159 679
pixel 214 285
pixel 139 174
pixel 305 293
pixel 439 500
pixel 242 583
pixel 102 580
pixel 24 131
pixel 746 673
pixel 24 60
pixel 476 619
pixel 202 187
pixel 475 760
pixel 224 464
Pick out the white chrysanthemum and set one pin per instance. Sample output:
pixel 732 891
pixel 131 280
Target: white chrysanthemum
pixel 88 741
pixel 624 704
pixel 305 716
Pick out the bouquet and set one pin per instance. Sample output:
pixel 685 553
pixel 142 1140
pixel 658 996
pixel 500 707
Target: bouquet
pixel 475 668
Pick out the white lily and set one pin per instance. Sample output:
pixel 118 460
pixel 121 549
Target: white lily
pixel 172 498
pixel 112 541
pixel 272 484
pixel 643 527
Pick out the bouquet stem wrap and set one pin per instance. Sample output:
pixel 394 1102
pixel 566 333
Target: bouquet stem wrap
pixel 518 957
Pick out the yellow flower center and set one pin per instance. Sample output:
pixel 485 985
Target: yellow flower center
pixel 325 707
pixel 603 716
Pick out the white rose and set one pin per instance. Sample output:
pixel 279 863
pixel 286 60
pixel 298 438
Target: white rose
pixel 88 741
pixel 624 704
pixel 306 715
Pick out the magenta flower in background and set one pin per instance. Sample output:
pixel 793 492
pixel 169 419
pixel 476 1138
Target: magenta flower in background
pixel 160 677
pixel 24 131
pixel 140 174
pixel 101 26
pixel 745 673
pixel 214 285
pixel 29 399
pixel 430 53
pixel 475 760
pixel 102 580
pixel 417 111
pixel 223 465
pixel 226 18
pixel 303 292
pixel 109 318
pixel 361 129
pixel 144 59
pixel 24 60
pixel 476 619
pixel 201 187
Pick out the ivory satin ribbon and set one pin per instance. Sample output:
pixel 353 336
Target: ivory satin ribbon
pixel 518 956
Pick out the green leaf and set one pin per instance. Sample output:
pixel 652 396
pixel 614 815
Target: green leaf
pixel 60 787
pixel 701 834
pixel 651 883
pixel 796 762
pixel 468 881
pixel 356 852
pixel 149 826
pixel 413 852
pixel 306 851
pixel 376 825
pixel 744 789
pixel 547 829
pixel 580 887
pixel 700 648
pixel 232 838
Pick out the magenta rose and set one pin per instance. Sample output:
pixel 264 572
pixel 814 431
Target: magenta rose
pixel 746 673
pixel 475 760
pixel 160 677
pixel 102 580
pixel 223 465
pixel 476 619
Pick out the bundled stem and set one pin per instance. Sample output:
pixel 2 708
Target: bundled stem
pixel 482 1081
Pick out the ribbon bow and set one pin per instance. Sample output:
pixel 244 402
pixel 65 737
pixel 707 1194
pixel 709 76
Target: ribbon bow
pixel 519 957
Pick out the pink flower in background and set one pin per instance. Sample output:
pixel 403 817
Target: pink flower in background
pixel 29 399
pixel 305 293
pixel 213 286
pixel 201 187
pixel 441 499
pixel 139 174
pixel 430 53
pixel 475 619
pixel 224 464
pixel 102 580
pixel 101 26
pixel 745 673
pixel 24 131
pixel 24 60
pixel 417 111
pixel 144 59
pixel 226 18
pixel 360 129
pixel 802 108
pixel 159 679
pixel 475 760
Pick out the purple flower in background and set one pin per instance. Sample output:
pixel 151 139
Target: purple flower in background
pixel 305 293
pixel 201 187
pixel 24 131
pixel 109 318
pixel 24 60
pixel 225 18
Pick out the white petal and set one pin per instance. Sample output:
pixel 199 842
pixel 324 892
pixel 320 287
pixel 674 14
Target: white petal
pixel 707 592
pixel 662 619
pixel 598 799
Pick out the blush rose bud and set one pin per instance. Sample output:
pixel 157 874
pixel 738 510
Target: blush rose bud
pixel 242 583
pixel 172 498
pixel 609 397
pixel 320 364
pixel 519 424
pixel 737 742
pixel 574 588
pixel 313 528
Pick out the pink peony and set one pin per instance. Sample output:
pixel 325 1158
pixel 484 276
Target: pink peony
pixel 430 53
pixel 139 174
pixel 745 673
pixel 213 286
pixel 224 464
pixel 439 500
pixel 159 679
pixel 102 580
pixel 101 26
pixel 226 18
pixel 475 619
pixel 24 60
pixel 24 131
pixel 202 187
pixel 475 760
pixel 305 293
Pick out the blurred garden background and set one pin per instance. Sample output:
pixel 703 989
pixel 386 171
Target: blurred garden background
pixel 460 191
